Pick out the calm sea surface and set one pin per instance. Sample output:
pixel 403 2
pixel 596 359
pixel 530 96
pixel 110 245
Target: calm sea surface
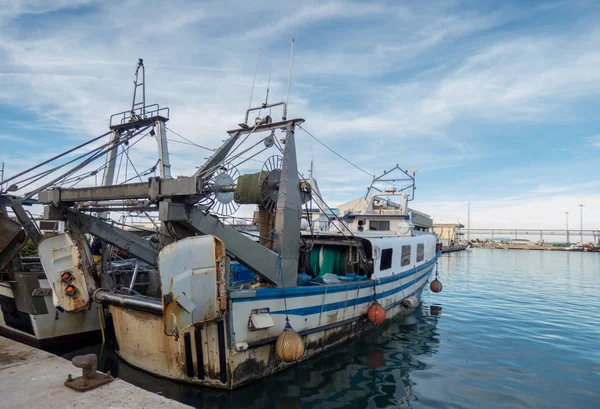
pixel 516 329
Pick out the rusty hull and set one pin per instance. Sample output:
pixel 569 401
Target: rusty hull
pixel 143 344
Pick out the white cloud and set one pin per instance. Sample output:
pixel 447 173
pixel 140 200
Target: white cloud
pixel 541 213
pixel 17 8
pixel 397 76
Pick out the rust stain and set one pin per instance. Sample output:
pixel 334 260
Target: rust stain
pixel 142 343
pixel 221 276
pixel 332 318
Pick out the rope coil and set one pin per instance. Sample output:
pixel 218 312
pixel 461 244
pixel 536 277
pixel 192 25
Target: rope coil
pixel 250 188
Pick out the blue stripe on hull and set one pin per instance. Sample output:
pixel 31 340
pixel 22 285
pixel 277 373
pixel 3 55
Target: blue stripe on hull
pixel 316 309
pixel 277 293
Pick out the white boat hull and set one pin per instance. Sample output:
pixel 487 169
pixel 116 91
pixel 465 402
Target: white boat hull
pixel 52 328
pixel 227 354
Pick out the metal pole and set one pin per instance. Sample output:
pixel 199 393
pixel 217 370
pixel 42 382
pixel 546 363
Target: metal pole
pixel 136 302
pixel 133 277
pixel 143 89
pixel 111 160
pixel 469 222
pixel 2 176
pixel 581 223
pixel 287 98
pixel 254 81
pixel 567 215
pixel 163 150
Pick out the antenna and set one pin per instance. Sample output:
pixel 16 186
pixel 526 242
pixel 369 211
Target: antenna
pixel 268 85
pixel 254 80
pixel 376 155
pixel 141 105
pixel 469 221
pixel 287 98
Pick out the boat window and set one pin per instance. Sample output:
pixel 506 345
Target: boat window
pixel 405 256
pixel 386 259
pixel 420 252
pixel 379 225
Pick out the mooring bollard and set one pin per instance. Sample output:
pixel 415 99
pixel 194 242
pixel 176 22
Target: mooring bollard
pixel 90 378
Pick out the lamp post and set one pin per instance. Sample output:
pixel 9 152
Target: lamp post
pixel 581 223
pixel 567 214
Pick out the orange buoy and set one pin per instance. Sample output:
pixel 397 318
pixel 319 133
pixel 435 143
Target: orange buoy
pixel 436 286
pixel 435 310
pixel 376 359
pixel 376 313
pixel 289 346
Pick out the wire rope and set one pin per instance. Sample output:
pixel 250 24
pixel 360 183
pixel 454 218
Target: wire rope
pixel 335 153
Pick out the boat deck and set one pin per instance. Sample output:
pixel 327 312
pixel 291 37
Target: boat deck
pixel 32 378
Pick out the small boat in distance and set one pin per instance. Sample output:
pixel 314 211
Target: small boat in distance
pixel 523 244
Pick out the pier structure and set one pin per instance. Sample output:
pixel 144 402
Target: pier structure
pixel 32 378
pixel 541 233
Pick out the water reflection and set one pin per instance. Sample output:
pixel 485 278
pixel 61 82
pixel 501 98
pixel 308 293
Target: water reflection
pixel 502 340
pixel 372 371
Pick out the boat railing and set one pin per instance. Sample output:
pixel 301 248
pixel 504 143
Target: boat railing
pixel 144 113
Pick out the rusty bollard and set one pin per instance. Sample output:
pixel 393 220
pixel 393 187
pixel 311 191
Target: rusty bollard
pixel 90 378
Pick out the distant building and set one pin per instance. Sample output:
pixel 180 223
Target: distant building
pixel 448 233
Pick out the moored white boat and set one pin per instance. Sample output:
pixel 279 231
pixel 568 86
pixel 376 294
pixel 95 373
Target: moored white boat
pixel 27 313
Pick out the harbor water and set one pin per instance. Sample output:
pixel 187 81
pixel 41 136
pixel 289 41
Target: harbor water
pixel 511 329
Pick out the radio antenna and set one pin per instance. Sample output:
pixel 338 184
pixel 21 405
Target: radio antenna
pixel 287 98
pixel 254 80
pixel 268 85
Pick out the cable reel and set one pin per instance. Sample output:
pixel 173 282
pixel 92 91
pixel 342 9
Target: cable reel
pixel 220 192
pixel 227 190
pixel 273 166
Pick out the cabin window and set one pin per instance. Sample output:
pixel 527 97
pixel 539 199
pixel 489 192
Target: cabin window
pixel 386 259
pixel 420 252
pixel 379 225
pixel 405 256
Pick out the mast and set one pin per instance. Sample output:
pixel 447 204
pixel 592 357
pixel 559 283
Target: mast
pixel 287 98
pixel 581 223
pixel 567 217
pixel 469 221
pixel 139 115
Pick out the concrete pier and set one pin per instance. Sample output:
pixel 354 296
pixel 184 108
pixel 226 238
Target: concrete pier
pixel 32 378
pixel 453 247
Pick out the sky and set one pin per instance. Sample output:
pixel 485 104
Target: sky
pixel 495 103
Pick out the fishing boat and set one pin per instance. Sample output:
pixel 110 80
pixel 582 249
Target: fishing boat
pixel 27 312
pixel 312 289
